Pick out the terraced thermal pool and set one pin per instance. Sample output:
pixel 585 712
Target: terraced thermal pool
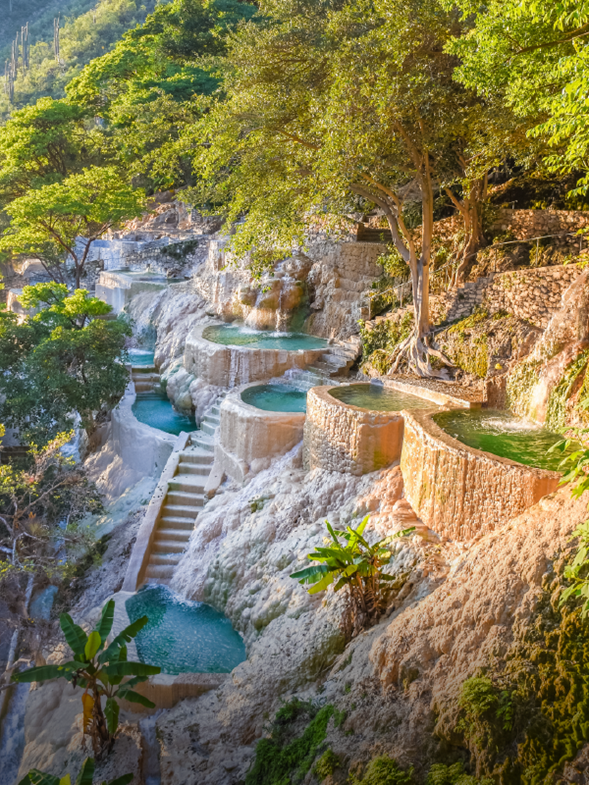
pixel 155 410
pixel 239 335
pixel 141 357
pixel 276 398
pixel 183 636
pixel 502 434
pixel 377 398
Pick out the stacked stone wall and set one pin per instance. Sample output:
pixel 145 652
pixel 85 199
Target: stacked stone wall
pixel 531 294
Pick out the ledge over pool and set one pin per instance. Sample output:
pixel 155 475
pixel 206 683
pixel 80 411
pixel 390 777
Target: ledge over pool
pixel 461 492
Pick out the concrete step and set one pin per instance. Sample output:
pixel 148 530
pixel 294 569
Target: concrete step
pixel 175 532
pixel 186 482
pixel 159 572
pixel 164 558
pixel 216 410
pixel 196 457
pixel 208 428
pixel 143 387
pixel 195 469
pixel 184 499
pixel 179 511
pixel 169 546
pixel 204 443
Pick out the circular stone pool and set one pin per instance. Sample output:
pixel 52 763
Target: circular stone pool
pixel 377 398
pixel 276 398
pixel 183 636
pixel 239 335
pixel 157 411
pixel 502 434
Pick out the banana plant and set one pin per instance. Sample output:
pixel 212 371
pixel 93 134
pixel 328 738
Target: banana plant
pixel 99 668
pixel 85 777
pixel 351 562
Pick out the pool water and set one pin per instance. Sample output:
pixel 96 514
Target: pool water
pixel 378 398
pixel 503 434
pixel 155 410
pixel 141 356
pixel 183 636
pixel 239 335
pixel 276 398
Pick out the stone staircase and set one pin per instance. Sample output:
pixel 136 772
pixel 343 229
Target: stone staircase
pixel 180 508
pixel 145 378
pixel 335 361
pixel 205 437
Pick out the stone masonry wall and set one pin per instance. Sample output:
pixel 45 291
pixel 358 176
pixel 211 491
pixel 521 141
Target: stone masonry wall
pixel 533 294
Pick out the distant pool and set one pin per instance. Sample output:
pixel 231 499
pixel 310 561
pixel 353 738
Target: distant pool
pixel 183 636
pixel 239 335
pixel 155 410
pixel 376 397
pixel 276 398
pixel 502 434
pixel 141 356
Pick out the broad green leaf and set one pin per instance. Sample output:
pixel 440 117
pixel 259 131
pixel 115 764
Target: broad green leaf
pixel 65 780
pixel 36 777
pixel 322 584
pixel 126 636
pixel 93 643
pixel 111 712
pixel 74 635
pixel 135 697
pixel 131 669
pixel 360 529
pixel 106 620
pixel 124 780
pixel 86 773
pixel 40 673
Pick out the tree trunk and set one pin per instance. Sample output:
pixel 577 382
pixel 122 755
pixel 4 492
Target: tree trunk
pixel 471 211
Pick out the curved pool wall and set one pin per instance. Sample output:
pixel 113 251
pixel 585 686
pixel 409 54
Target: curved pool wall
pixel 461 492
pixel 233 366
pixel 344 438
pixel 251 438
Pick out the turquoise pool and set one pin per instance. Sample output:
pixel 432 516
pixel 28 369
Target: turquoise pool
pixel 239 335
pixel 502 434
pixel 156 410
pixel 183 636
pixel 276 398
pixel 377 398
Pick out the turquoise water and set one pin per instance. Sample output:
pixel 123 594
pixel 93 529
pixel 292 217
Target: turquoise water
pixel 503 434
pixel 140 356
pixel 157 411
pixel 378 398
pixel 238 335
pixel 276 398
pixel 183 636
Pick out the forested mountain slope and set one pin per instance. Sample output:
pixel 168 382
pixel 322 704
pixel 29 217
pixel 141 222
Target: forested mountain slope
pixel 87 30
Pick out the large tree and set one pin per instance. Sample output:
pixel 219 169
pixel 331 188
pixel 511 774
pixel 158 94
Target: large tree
pixel 61 362
pixel 57 223
pixel 332 105
pixel 532 56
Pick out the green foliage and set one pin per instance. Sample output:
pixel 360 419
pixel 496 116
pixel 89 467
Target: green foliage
pixel 469 349
pixel 529 713
pixel 384 771
pixel 98 667
pixel 34 501
pixel 85 777
pixel 326 765
pixel 439 774
pixel 284 758
pixel 47 221
pixel 380 340
pixel 62 360
pixel 556 410
pixel 355 565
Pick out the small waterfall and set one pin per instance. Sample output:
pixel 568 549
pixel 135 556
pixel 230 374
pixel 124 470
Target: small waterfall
pixel 12 736
pixel 151 749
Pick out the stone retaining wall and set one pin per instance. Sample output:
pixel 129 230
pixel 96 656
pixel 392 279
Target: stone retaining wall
pixel 460 492
pixel 343 438
pixel 232 366
pixel 251 438
pixel 531 294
